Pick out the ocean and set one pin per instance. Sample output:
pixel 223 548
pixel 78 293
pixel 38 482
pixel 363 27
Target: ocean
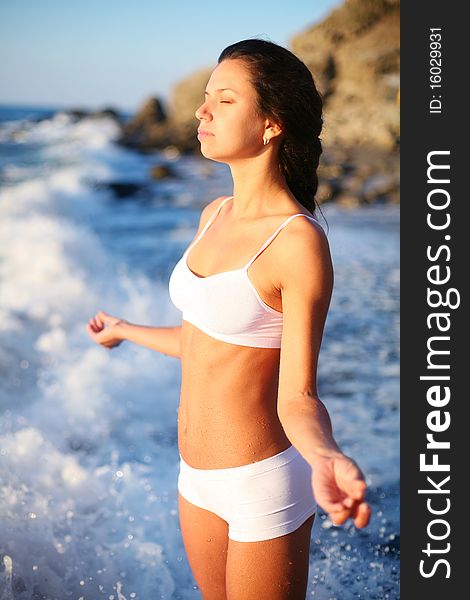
pixel 88 436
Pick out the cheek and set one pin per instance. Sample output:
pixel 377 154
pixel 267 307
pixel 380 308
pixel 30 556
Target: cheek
pixel 248 132
pixel 253 132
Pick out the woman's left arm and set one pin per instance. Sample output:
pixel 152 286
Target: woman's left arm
pixel 306 283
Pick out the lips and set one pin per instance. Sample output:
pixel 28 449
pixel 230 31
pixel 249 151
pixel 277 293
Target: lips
pixel 204 132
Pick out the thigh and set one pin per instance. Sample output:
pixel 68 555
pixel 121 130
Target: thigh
pixel 205 538
pixel 275 569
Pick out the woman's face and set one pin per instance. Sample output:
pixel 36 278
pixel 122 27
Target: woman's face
pixel 230 115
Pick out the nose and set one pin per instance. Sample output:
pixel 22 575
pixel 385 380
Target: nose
pixel 201 112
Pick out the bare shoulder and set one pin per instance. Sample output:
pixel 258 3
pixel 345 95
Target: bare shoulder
pixel 302 238
pixel 303 250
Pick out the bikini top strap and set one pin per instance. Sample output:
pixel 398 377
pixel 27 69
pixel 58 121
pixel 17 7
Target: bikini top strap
pixel 208 224
pixel 270 239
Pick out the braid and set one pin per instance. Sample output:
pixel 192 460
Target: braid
pixel 299 165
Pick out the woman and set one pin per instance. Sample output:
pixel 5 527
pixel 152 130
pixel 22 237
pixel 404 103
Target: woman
pixel 256 445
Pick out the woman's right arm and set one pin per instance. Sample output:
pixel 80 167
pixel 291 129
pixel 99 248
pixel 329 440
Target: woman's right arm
pixel 110 331
pixel 165 340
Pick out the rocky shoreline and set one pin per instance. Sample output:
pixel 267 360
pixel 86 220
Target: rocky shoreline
pixel 350 176
pixel 354 57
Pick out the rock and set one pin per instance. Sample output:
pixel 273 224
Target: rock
pixel 329 170
pixel 325 192
pixel 148 129
pixel 149 139
pixel 349 201
pixel 186 97
pixel 122 189
pixel 106 112
pixel 352 184
pixel 335 185
pixel 161 172
pixel 380 184
pixel 151 112
pixel 152 128
pixel 394 197
pixel 75 113
pixel 354 57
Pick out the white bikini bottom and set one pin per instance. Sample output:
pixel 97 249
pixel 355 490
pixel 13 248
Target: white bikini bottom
pixel 259 501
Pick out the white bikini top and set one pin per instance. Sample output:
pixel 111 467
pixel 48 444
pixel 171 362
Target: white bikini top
pixel 226 305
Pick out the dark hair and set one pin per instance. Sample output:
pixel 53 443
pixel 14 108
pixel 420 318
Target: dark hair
pixel 287 94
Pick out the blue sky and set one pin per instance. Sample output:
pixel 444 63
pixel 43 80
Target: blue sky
pixel 93 53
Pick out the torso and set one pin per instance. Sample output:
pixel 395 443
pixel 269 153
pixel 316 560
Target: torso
pixel 227 415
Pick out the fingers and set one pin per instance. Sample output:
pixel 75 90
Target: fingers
pixel 360 513
pixel 358 489
pixel 101 317
pixel 333 507
pixel 94 331
pixel 351 479
pixel 340 517
pixel 100 336
pixel 91 329
pixel 353 490
pixel 92 325
pixel 341 492
pixel 99 321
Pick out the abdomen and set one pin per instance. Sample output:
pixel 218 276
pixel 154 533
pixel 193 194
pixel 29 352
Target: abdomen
pixel 228 406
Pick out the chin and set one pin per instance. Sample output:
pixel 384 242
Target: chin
pixel 213 156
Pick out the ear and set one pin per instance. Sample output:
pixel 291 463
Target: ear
pixel 272 129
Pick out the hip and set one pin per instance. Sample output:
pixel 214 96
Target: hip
pixel 259 500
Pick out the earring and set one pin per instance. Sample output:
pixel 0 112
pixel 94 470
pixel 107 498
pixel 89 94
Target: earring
pixel 265 141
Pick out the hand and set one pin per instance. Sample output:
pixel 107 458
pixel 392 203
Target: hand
pixel 339 487
pixel 105 329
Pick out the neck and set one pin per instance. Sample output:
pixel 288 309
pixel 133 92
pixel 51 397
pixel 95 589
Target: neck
pixel 259 188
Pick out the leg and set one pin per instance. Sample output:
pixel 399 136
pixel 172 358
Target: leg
pixel 275 569
pixel 205 538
